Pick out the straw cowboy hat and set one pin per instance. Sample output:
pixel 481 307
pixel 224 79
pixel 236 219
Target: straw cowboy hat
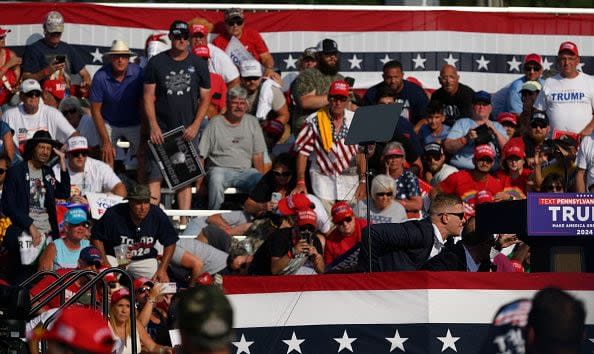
pixel 119 47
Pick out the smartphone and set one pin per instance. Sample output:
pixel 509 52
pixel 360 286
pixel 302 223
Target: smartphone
pixel 60 59
pixel 169 288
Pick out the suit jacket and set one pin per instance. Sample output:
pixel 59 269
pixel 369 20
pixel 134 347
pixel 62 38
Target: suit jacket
pixel 16 194
pixel 396 247
pixel 452 259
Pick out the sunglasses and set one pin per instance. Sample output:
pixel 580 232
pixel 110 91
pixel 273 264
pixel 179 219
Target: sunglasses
pixel 181 36
pixel 459 215
pixel 233 22
pixel 251 78
pixel 384 194
pixel 2 170
pixel 486 160
pixel 69 111
pixel 344 221
pixel 532 68
pixel 282 174
pixel 83 224
pixel 433 157
pixel 143 289
pixel 538 125
pixel 33 94
pixel 79 154
pixel 339 98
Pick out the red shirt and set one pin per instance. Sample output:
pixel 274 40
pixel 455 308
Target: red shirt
pixel 336 244
pixel 519 183
pixel 217 85
pixel 463 185
pixel 251 40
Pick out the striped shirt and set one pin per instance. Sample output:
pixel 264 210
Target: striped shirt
pixel 335 161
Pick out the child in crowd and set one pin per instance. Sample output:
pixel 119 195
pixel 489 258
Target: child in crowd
pixel 435 131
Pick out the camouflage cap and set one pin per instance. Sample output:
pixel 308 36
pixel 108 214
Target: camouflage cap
pixel 205 315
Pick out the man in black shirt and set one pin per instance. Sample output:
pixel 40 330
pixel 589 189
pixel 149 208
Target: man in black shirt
pixel 176 93
pixel 456 97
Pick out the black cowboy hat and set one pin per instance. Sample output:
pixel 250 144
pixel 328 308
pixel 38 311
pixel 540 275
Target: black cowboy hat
pixel 40 136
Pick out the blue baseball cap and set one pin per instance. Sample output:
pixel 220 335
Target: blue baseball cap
pixel 75 216
pixel 90 255
pixel 481 96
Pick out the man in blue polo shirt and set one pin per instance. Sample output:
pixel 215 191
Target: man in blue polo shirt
pixel 116 94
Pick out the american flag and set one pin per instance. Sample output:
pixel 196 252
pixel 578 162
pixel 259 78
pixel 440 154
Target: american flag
pixel 486 45
pixel 407 312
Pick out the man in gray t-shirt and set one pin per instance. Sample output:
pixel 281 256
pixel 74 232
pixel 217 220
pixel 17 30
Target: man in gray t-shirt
pixel 234 145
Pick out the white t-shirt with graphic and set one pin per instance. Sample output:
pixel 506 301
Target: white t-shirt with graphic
pixel 97 177
pixel 37 195
pixel 568 102
pixel 46 118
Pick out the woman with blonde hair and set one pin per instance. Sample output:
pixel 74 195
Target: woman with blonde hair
pixel 119 323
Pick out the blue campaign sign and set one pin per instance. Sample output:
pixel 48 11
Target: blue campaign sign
pixel 560 214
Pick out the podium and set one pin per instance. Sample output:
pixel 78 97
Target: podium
pixel 551 249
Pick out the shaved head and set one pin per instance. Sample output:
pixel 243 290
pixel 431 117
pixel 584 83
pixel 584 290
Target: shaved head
pixel 449 79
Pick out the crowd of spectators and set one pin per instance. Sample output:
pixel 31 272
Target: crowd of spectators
pixel 280 144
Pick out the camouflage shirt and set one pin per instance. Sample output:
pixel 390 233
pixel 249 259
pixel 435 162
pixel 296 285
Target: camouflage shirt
pixel 309 80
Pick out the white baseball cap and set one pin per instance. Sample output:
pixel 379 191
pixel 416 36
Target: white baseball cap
pixel 30 85
pixel 250 68
pixel 77 143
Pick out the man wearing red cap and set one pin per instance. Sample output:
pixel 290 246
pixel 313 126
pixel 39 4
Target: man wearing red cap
pixel 219 62
pixel 347 233
pixel 78 330
pixel 465 184
pixel 333 175
pixel 568 97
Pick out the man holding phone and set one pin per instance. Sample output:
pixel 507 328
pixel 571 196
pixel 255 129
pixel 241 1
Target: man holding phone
pixel 52 59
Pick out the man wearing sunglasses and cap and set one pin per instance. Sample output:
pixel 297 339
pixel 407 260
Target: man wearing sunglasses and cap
pixel 176 93
pixel 251 39
pixel 32 115
pixel 88 175
pixel 337 170
pixel 50 58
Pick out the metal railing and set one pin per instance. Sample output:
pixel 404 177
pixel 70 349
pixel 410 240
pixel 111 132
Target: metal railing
pixel 71 277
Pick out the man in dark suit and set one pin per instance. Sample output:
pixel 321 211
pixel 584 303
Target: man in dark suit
pixel 406 246
pixel 469 255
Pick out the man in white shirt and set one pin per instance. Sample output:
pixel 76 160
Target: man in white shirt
pixel 219 62
pixel 568 97
pixel 88 175
pixel 32 115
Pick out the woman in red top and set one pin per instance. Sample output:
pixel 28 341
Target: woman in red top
pixel 512 168
pixel 10 69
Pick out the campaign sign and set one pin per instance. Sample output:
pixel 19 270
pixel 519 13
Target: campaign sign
pixel 100 202
pixel 177 158
pixel 560 214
